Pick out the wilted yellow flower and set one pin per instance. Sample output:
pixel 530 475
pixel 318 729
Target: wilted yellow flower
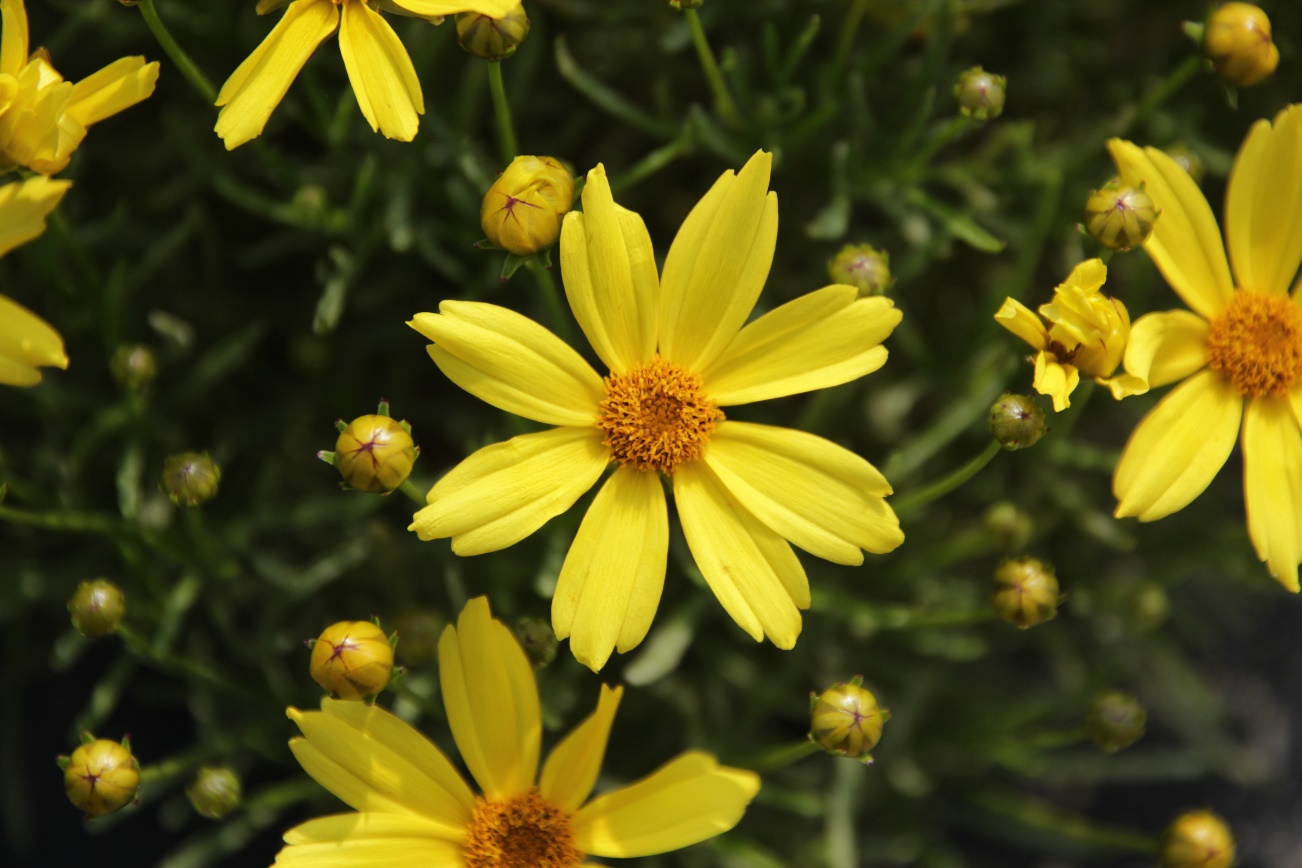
pixel 101 776
pixel 44 118
pixel 378 65
pixel 1086 334
pixel 27 342
pixel 522 211
pixel 1237 41
pixel 1198 839
pixel 352 660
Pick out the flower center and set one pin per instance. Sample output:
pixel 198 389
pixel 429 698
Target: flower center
pixel 524 832
pixel 657 416
pixel 1257 343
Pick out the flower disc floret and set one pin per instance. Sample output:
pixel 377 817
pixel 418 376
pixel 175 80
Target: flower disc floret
pixel 657 416
pixel 527 831
pixel 1256 343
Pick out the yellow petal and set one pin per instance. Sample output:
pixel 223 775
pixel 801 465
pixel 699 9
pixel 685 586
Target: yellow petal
pixel 511 362
pixel 1263 204
pixel 609 270
pixel 822 339
pixel 571 770
pixel 13 36
pixel 1178 448
pixel 717 265
pixel 1165 347
pixel 258 85
pixel 1055 379
pixel 504 492
pixel 24 205
pixel 820 496
pixel 1272 486
pixel 368 839
pixel 750 568
pixel 1022 321
pixel 491 701
pixel 340 827
pixel 117 86
pixel 381 72
pixel 613 575
pixel 1185 244
pixel 26 343
pixel 491 8
pixel 689 799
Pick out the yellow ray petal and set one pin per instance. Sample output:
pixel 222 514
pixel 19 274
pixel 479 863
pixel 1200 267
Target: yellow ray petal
pixel 258 84
pixel 491 701
pixel 1023 322
pixel 689 799
pixel 341 827
pixel 1165 347
pixel 571 770
pixel 381 72
pixel 504 492
pixel 24 205
pixel 1054 379
pixel 343 784
pixel 1272 486
pixel 491 8
pixel 717 265
pixel 822 339
pixel 609 270
pixel 13 36
pixel 26 343
pixel 511 362
pixel 613 575
pixel 365 840
pixel 820 496
pixel 117 86
pixel 752 570
pixel 1178 448
pixel 1263 204
pixel 1185 244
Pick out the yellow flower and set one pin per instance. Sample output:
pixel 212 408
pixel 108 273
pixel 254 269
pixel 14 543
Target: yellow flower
pixel 44 118
pixel 1239 351
pixel 677 352
pixel 521 213
pixel 414 808
pixel 26 341
pixel 1087 334
pixel 378 65
pixel 1237 41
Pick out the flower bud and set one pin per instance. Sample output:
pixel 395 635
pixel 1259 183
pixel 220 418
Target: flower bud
pixel 537 640
pixel 845 720
pixel 1151 606
pixel 980 94
pixel 1115 721
pixel 352 660
pixel 190 478
pixel 522 211
pixel 1016 421
pixel 214 792
pixel 1187 159
pixel 1009 525
pixel 1026 592
pixel 862 266
pixel 419 630
pixel 133 366
pixel 101 776
pixel 686 4
pixel 374 453
pixel 1118 216
pixel 97 608
pixel 1198 839
pixel 1237 42
pixel 492 38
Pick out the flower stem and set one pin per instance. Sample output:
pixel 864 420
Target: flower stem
pixel 552 297
pixel 188 68
pixel 409 488
pixel 723 103
pixel 947 483
pixel 502 109
pixel 1166 89
pixel 849 30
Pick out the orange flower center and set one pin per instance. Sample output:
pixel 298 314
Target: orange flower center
pixel 524 832
pixel 657 416
pixel 1257 343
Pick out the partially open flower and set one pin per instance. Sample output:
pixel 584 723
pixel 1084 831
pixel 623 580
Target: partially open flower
pixel 97 608
pixel 1118 216
pixel 1198 839
pixel 1237 41
pixel 1026 592
pixel 846 720
pixel 352 660
pixel 492 38
pixel 101 776
pixel 522 211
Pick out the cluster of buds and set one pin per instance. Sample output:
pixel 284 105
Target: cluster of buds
pixel 492 38
pixel 845 720
pixel 1026 592
pixel 373 453
pixel 522 212
pixel 101 776
pixel 352 659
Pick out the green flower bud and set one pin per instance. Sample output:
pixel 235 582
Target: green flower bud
pixel 980 94
pixel 1115 721
pixel 1026 592
pixel 1120 217
pixel 101 776
pixel 1187 159
pixel 214 792
pixel 1237 42
pixel 1151 606
pixel 492 38
pixel 862 266
pixel 521 213
pixel 1198 839
pixel 1009 525
pixel 133 366
pixel 1016 421
pixel 97 608
pixel 374 453
pixel 190 478
pixel 419 630
pixel 537 639
pixel 352 660
pixel 845 720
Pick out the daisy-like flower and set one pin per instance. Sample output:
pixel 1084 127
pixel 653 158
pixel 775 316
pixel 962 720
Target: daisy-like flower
pixel 378 65
pixel 415 809
pixel 27 342
pixel 1238 350
pixel 44 118
pixel 1086 334
pixel 678 350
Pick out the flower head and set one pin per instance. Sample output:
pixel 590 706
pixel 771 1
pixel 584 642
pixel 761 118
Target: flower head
pixel 522 211
pixel 413 807
pixel 27 342
pixel 679 353
pixel 1237 41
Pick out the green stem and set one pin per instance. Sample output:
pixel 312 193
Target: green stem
pixel 780 756
pixel 139 646
pixel 502 109
pixel 723 103
pixel 946 483
pixel 188 68
pixel 1164 91
pixel 552 297
pixel 849 30
pixel 83 522
pixel 409 488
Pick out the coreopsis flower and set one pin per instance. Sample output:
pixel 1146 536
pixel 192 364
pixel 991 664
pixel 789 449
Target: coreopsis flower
pixel 1238 351
pixel 1086 334
pixel 677 353
pixel 414 808
pixel 378 65
pixel 44 118
pixel 27 342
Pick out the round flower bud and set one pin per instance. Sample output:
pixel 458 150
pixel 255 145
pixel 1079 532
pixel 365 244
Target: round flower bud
pixel 1198 839
pixel 1237 42
pixel 214 792
pixel 419 630
pixel 492 38
pixel 1016 421
pixel 1188 160
pixel 537 640
pixel 1115 721
pixel 845 720
pixel 352 660
pixel 1118 216
pixel 980 94
pixel 375 453
pixel 97 608
pixel 862 266
pixel 1026 592
pixel 1009 525
pixel 521 213
pixel 101 776
pixel 190 478
pixel 133 366
pixel 1151 606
